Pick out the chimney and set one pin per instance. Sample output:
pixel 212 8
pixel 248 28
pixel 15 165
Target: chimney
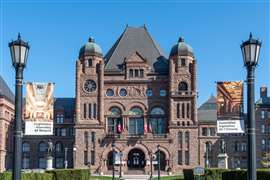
pixel 263 92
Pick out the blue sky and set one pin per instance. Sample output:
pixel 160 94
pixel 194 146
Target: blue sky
pixel 57 29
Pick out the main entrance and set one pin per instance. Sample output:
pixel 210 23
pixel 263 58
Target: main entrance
pixel 136 159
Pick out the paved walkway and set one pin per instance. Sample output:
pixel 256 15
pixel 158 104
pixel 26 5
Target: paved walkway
pixel 136 177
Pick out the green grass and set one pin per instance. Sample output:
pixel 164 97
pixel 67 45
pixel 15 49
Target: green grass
pixel 170 178
pixel 101 178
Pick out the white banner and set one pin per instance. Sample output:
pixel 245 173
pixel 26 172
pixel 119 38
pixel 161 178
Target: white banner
pixel 230 126
pixel 38 128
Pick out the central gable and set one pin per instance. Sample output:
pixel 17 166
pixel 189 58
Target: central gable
pixel 136 40
pixel 135 58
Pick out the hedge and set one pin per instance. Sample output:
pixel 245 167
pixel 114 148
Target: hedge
pixel 70 174
pixel 262 174
pixel 28 176
pixel 214 173
pixel 188 174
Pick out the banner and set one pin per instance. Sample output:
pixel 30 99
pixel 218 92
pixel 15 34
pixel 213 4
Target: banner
pixel 39 104
pixel 230 107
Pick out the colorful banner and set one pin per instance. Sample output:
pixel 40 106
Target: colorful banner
pixel 230 107
pixel 39 104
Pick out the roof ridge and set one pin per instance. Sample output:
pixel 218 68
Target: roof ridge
pixel 155 43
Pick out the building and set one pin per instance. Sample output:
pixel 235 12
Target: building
pixel 6 124
pixel 137 98
pixel 34 148
pixel 263 125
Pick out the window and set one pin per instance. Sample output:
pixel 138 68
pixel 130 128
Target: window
pixel 187 139
pixel 180 158
pixel 162 92
pixel 178 110
pixel 25 147
pixel 136 73
pixel 63 132
pixel 212 131
pixel 25 163
pixel 93 137
pixel 136 121
pixel 90 62
pixel 263 144
pixel 42 163
pixel 186 157
pixel 93 157
pixel 42 147
pixel 59 147
pixel 114 121
pixel 180 140
pixel 262 128
pixel 131 73
pixel 158 121
pixel 86 138
pixel 268 114
pixel 90 110
pixel 84 110
pixel 123 92
pixel 188 110
pixel 244 146
pixel 85 157
pixel 59 118
pixel 262 114
pixel 237 146
pixel 183 110
pixel 183 62
pixel 95 110
pixel 109 92
pixel 182 86
pixel 149 92
pixel 59 162
pixel 204 131
pixel 141 73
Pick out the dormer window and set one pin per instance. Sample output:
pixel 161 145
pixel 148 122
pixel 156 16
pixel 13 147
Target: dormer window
pixel 141 73
pixel 131 73
pixel 136 73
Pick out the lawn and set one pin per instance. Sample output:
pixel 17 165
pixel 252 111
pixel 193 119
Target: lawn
pixel 170 178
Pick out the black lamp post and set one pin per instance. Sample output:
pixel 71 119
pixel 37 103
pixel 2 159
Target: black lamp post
pixel 113 147
pixel 250 51
pixel 19 53
pixel 158 147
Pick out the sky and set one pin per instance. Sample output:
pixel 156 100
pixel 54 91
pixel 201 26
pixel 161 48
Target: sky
pixel 57 29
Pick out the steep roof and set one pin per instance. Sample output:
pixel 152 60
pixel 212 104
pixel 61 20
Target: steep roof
pixel 136 39
pixel 207 112
pixel 5 91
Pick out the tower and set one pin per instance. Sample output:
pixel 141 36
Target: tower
pixel 183 119
pixel 89 102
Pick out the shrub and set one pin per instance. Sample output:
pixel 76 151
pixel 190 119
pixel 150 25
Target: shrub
pixel 188 174
pixel 214 173
pixel 27 176
pixel 70 174
pixel 262 174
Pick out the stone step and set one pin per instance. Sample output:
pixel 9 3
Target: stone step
pixel 136 177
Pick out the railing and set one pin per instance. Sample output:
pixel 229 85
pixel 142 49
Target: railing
pixel 183 93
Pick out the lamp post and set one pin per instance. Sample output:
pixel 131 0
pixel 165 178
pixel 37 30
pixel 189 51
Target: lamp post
pixel 66 162
pixel 121 156
pixel 250 51
pixel 74 156
pixel 158 147
pixel 113 147
pixel 151 164
pixel 19 53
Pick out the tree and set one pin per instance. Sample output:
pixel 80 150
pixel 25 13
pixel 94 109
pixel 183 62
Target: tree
pixel 266 160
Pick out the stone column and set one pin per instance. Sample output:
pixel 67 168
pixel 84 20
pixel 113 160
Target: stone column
pixel 49 162
pixel 101 93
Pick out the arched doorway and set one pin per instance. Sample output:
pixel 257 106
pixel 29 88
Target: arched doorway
pixel 162 161
pixel 136 159
pixel 110 160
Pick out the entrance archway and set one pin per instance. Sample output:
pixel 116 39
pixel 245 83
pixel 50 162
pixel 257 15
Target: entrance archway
pixel 162 161
pixel 136 159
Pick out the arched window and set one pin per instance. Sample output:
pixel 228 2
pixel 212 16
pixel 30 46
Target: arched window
pixel 183 86
pixel 136 121
pixel 42 147
pixel 158 121
pixel 59 147
pixel 25 147
pixel 114 122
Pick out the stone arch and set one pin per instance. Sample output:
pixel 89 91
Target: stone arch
pixel 157 104
pixel 186 80
pixel 164 150
pixel 139 104
pixel 137 146
pixel 115 103
pixel 108 150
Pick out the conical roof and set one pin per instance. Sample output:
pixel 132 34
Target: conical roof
pixel 5 90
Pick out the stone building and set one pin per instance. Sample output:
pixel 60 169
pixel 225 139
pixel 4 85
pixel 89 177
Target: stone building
pixel 138 98
pixel 6 121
